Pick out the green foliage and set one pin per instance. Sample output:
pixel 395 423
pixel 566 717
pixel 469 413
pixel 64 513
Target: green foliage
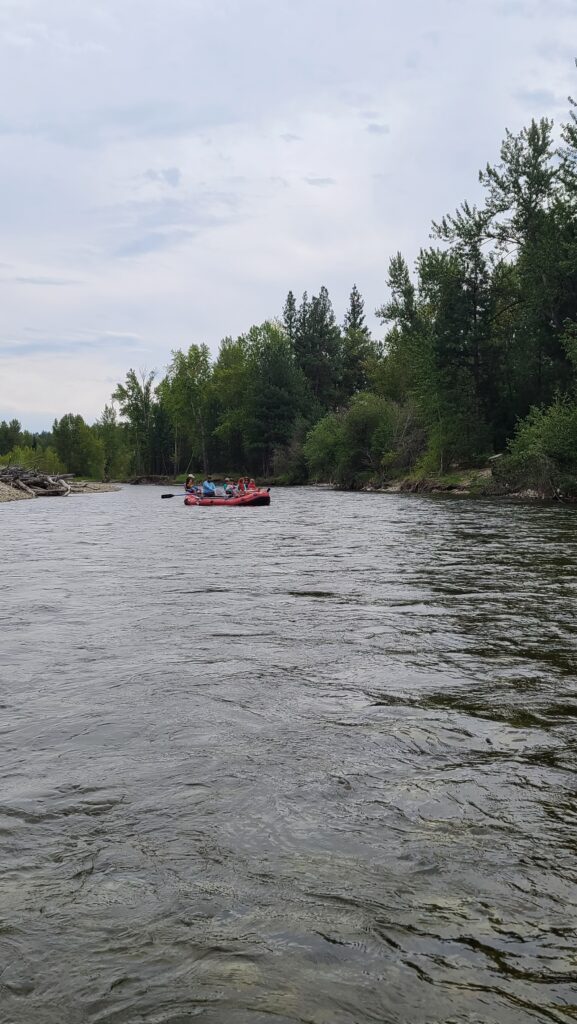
pixel 543 453
pixel 276 394
pixel 370 440
pixel 78 447
pixel 139 406
pixel 317 344
pixel 10 435
pixel 184 392
pixel 324 448
pixel 114 441
pixel 230 382
pixel 45 460
pixel 358 350
pixel 480 347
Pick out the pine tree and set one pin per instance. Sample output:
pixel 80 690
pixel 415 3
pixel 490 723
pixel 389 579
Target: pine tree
pixel 290 317
pixel 318 347
pixel 355 314
pixel 357 347
pixel 274 398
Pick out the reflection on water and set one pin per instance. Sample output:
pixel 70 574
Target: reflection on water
pixel 311 763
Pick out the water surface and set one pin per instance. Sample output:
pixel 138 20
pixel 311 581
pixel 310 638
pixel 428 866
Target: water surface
pixel 313 763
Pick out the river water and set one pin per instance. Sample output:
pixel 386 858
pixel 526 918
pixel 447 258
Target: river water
pixel 309 763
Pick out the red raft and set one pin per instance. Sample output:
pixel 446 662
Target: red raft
pixel 260 496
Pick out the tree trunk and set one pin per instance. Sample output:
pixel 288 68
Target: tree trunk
pixel 203 445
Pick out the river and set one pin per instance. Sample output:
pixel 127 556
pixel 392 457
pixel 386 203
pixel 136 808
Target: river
pixel 310 763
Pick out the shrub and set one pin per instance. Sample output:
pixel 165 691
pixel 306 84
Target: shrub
pixel 542 455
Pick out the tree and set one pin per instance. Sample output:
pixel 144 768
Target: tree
pixel 290 317
pixel 357 347
pixel 112 435
pixel 136 401
pixel 10 435
pixel 317 347
pixel 229 389
pixel 324 447
pixel 78 447
pixel 184 392
pixel 276 395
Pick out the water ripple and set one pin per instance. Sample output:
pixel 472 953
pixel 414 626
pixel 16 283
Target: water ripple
pixel 313 763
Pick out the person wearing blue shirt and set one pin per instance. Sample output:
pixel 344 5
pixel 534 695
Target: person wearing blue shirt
pixel 208 488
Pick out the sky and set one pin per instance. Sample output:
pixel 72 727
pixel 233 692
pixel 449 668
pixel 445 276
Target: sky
pixel 170 170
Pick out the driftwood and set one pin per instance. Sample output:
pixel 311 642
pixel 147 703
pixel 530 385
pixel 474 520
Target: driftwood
pixel 23 487
pixel 34 483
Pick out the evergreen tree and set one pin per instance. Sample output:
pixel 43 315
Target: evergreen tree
pixel 10 436
pixel 318 347
pixel 357 347
pixel 355 314
pixel 290 317
pixel 275 396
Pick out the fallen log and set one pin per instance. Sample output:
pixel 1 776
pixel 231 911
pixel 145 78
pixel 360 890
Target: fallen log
pixel 34 483
pixel 21 486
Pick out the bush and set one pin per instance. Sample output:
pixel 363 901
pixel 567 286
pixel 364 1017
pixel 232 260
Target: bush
pixel 324 447
pixel 542 455
pixel 45 460
pixel 374 438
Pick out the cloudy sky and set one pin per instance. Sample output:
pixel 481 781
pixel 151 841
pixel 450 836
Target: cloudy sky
pixel 169 170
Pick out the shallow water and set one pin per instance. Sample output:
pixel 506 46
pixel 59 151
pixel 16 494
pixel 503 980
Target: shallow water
pixel 311 763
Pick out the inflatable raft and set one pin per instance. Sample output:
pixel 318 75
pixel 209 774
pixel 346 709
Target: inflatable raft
pixel 258 497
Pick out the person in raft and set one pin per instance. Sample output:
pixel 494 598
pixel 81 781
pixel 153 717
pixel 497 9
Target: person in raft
pixel 251 486
pixel 227 487
pixel 208 488
pixel 240 487
pixel 190 486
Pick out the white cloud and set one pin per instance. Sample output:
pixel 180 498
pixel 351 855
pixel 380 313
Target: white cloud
pixel 170 171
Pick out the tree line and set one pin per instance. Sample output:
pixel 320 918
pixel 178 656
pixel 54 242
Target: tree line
pixel 478 356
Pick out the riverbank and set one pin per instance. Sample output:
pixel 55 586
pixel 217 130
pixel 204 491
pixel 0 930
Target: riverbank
pixel 479 483
pixel 8 493
pixel 475 483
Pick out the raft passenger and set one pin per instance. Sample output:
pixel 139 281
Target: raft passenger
pixel 208 488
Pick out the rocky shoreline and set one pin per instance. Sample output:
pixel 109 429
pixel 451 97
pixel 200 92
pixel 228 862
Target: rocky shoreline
pixel 479 484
